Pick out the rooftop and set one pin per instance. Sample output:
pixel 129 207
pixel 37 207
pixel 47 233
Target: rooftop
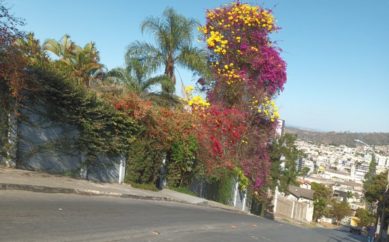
pixel 300 192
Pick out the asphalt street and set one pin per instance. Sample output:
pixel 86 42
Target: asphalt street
pixel 27 216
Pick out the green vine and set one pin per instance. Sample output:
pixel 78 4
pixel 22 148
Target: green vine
pixel 103 130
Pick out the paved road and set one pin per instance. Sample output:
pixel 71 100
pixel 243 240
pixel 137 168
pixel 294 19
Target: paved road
pixel 26 216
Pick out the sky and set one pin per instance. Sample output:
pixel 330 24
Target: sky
pixel 337 51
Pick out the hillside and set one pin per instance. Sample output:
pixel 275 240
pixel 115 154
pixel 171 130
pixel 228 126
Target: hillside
pixel 337 138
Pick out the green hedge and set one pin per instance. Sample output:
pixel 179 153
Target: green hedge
pixel 102 128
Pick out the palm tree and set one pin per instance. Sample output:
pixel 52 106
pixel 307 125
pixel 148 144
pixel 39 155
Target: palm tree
pixel 173 34
pixel 63 49
pixel 83 62
pixel 136 78
pixel 31 49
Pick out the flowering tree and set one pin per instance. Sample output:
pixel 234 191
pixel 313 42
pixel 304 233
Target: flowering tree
pixel 220 134
pixel 11 61
pixel 167 133
pixel 247 73
pixel 242 54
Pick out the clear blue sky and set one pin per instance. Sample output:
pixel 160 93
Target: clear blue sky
pixel 337 50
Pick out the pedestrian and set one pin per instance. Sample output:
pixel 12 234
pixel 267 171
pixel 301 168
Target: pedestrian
pixel 370 233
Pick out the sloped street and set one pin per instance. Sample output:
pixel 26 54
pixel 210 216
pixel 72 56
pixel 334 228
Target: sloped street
pixel 27 216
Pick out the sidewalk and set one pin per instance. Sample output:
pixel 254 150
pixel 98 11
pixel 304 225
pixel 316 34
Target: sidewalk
pixel 15 179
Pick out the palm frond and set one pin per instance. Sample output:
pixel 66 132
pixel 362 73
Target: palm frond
pixel 161 79
pixel 195 59
pixel 52 46
pixel 180 28
pixel 164 99
pixel 146 53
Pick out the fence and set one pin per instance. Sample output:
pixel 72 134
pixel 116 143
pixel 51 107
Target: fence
pixel 225 191
pixel 299 211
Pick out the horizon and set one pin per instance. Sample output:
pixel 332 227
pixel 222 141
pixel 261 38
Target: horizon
pixel 331 131
pixel 337 66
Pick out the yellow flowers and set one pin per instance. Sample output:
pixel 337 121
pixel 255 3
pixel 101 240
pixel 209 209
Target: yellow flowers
pixel 198 101
pixel 250 16
pixel 267 20
pixel 203 29
pixel 216 41
pixel 194 101
pixel 228 72
pixel 232 21
pixel 214 38
pixel 188 90
pixel 268 108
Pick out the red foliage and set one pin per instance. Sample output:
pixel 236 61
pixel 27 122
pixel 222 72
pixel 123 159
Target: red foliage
pixel 162 125
pixel 220 132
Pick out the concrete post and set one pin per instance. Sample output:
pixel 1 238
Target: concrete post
pixel 122 170
pixel 236 193
pixel 84 167
pixel 291 215
pixel 244 201
pixel 163 172
pixel 275 200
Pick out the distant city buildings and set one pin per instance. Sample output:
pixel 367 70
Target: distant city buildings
pixel 341 168
pixel 340 162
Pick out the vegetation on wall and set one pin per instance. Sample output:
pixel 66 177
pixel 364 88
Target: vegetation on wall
pixel 167 134
pixel 223 137
pixel 102 129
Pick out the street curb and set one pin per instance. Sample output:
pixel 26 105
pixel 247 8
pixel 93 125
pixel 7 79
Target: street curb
pixel 34 188
pixel 88 192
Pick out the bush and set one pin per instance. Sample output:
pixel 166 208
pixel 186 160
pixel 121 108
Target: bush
pixel 365 216
pixel 144 162
pixel 182 162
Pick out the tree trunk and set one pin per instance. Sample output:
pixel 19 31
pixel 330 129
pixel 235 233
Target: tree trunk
pixel 169 71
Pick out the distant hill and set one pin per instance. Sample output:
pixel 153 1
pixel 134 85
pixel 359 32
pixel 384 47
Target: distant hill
pixel 338 138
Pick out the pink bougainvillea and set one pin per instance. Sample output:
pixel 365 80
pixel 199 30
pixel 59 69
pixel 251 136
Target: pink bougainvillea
pixel 248 72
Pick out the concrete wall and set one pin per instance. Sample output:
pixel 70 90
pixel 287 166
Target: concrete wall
pixel 46 145
pixel 299 211
pixel 51 146
pixel 106 170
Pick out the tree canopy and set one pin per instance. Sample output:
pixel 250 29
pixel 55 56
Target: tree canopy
pixel 321 199
pixel 173 34
pixel 284 156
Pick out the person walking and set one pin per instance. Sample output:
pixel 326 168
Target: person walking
pixel 370 233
